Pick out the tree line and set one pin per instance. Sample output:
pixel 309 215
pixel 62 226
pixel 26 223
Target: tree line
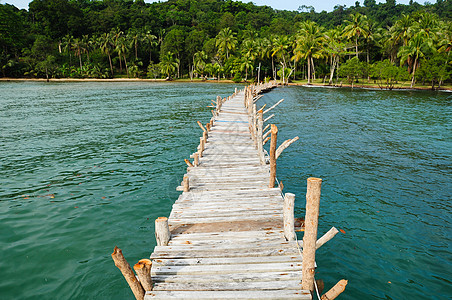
pixel 385 43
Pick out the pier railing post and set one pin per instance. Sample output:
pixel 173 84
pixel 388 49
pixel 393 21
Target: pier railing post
pixel 288 216
pixel 196 159
pixel 310 232
pixel 274 136
pixel 260 132
pixel 186 184
pixel 143 270
pixel 162 232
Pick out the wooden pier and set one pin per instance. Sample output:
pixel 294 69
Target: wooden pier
pixel 230 234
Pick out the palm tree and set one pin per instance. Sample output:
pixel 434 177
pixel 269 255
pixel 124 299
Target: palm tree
pixel 335 48
pixel 417 47
pixel 401 30
pixel 67 46
pixel 117 36
pixel 168 64
pixel 355 28
pixel 105 44
pixel 134 38
pixel 245 64
pixel 226 41
pixel 199 62
pixel 309 45
pixel 151 40
pixel 122 49
pixel 279 50
pixel 77 48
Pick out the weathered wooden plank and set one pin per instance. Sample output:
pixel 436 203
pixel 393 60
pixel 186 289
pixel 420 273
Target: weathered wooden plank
pixel 269 294
pixel 225 260
pixel 161 253
pixel 224 269
pixel 228 286
pixel 187 220
pixel 223 242
pixel 233 277
pixel 229 234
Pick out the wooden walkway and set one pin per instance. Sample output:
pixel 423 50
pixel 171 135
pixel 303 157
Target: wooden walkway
pixel 227 239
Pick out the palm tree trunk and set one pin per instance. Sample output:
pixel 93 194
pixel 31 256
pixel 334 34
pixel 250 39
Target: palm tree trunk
pixel 313 67
pixel 80 59
pixel 309 70
pixel 356 46
pixel 273 69
pixel 111 65
pixel 332 68
pixel 125 62
pixel 414 71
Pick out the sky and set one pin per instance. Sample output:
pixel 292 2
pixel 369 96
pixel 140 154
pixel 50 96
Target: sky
pixel 318 5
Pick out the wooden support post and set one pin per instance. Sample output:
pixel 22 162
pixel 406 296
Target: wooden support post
pixel 284 145
pixel 186 184
pixel 162 232
pixel 188 163
pixel 260 145
pixel 128 274
pixel 200 125
pixel 204 137
pixel 310 232
pixel 201 147
pixel 266 140
pixel 143 270
pixel 273 156
pixel 196 159
pixel 335 290
pixel 269 117
pixel 208 126
pixel 211 122
pixel 288 216
pixel 326 237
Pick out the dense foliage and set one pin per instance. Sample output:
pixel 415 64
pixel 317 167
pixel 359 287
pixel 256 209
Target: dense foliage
pixel 227 39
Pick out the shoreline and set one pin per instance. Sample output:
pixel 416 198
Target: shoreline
pixel 63 80
pixel 8 79
pixel 370 87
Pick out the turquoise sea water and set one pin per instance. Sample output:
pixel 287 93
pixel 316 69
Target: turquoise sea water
pixel 87 166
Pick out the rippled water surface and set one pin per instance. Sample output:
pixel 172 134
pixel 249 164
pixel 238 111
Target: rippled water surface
pixel 87 166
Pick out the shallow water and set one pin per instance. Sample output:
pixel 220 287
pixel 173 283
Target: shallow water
pixel 87 166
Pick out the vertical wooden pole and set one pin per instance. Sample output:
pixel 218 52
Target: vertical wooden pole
pixel 254 125
pixel 196 159
pixel 162 232
pixel 288 216
pixel 201 147
pixel 274 136
pixel 260 131
pixel 208 126
pixel 186 184
pixel 310 232
pixel 128 274
pixel 204 137
pixel 143 270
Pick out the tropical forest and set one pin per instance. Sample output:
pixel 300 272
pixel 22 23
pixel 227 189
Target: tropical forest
pixel 379 43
